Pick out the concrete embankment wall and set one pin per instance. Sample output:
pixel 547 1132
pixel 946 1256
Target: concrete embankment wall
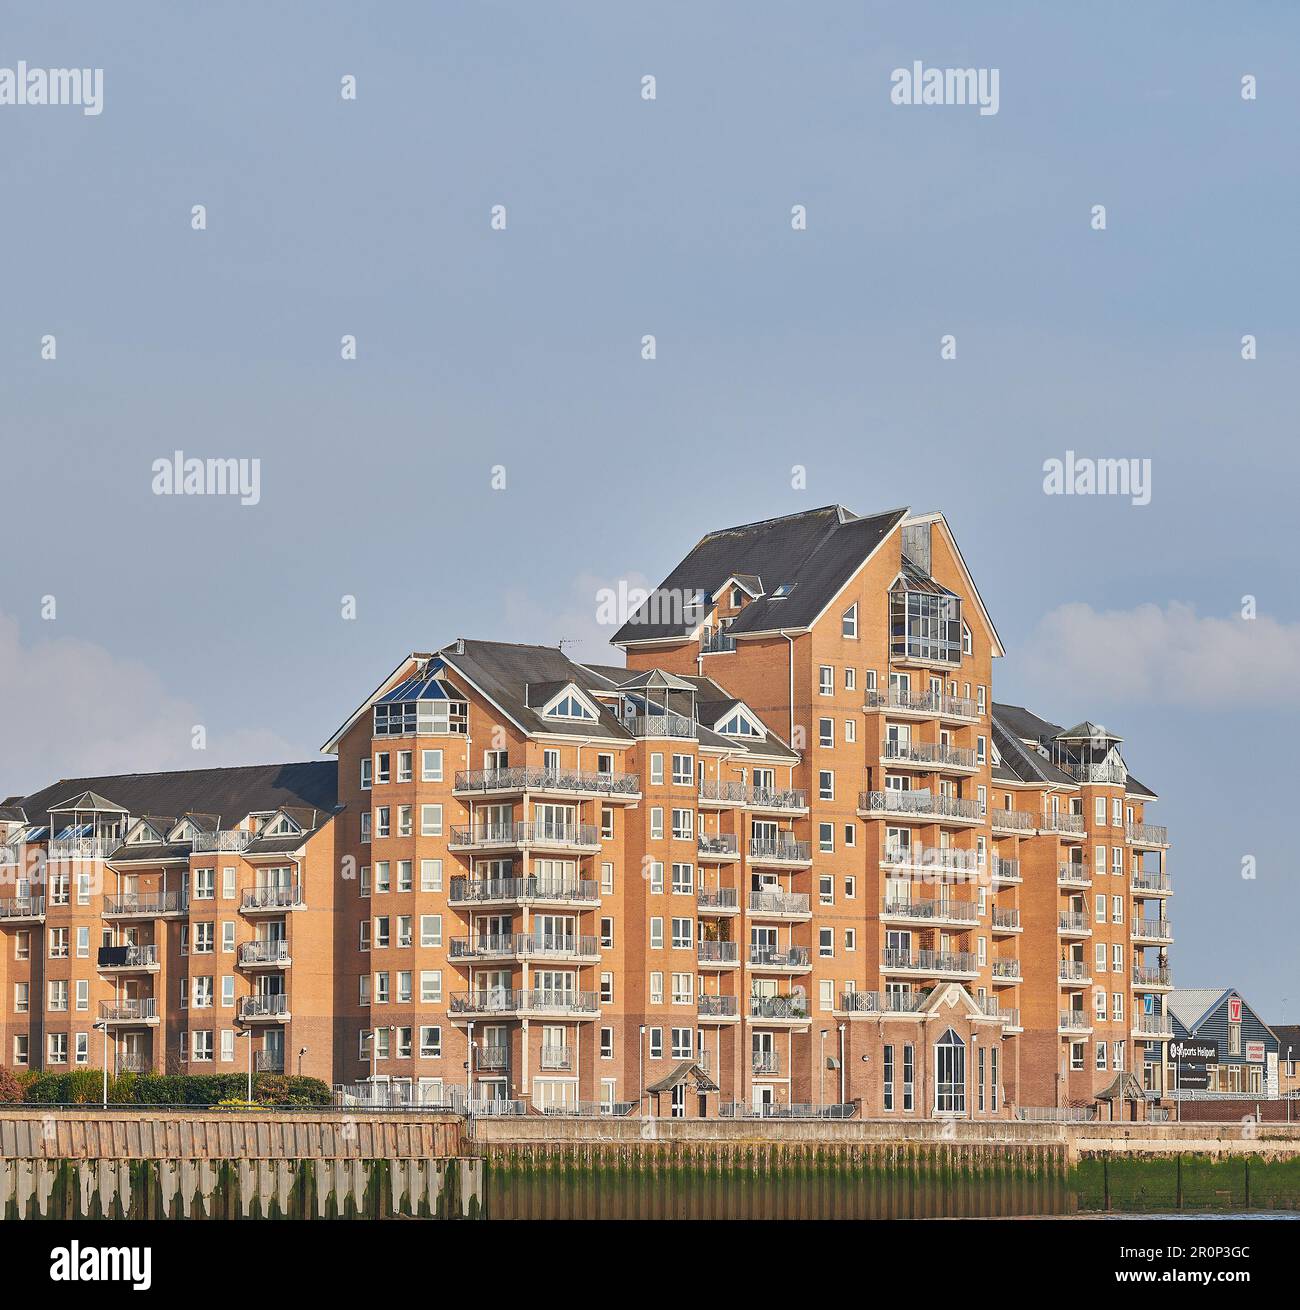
pixel 90 1164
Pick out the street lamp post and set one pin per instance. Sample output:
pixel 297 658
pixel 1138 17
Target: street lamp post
pixel 640 1072
pixel 103 1028
pixel 302 1050
pixel 821 1072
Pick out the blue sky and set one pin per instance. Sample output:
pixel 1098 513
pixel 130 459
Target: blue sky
pixel 775 348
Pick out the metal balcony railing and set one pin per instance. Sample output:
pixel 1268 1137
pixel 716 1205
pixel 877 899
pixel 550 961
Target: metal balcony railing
pixel 778 902
pixel 772 957
pixel 717 641
pixel 230 839
pixel 726 793
pixel 660 725
pixel 1152 1024
pixel 719 952
pixel 1073 873
pixel 1074 1021
pixel 766 1062
pixel 268 1061
pixel 477 890
pixel 889 1002
pixel 1072 971
pixel 557 1058
pixel 1008 918
pixel 722 844
pixel 1061 822
pixel 1150 976
pixel 128 957
pixel 132 1062
pixel 717 1007
pixel 492 1057
pixel 918 802
pixel 923 702
pixel 1011 820
pixel 778 1007
pixel 1004 870
pixel 274 951
pixel 1153 930
pixel 145 905
pixel 1006 968
pixel 527 834
pixel 717 898
pixel 926 752
pixel 270 1006
pixel 272 898
pixel 131 1009
pixel 22 907
pixel 1143 881
pixel 1101 771
pixel 948 911
pixel 777 798
pixel 1072 921
pixel 537 779
pixel 82 848
pixel 930 962
pixel 937 859
pixel 762 848
pixel 1147 834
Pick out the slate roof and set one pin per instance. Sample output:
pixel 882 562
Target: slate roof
pixel 814 553
pixel 150 852
pixel 227 793
pixel 1012 724
pixel 1288 1037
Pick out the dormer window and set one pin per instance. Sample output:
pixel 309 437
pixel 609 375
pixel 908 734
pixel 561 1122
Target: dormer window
pixel 739 724
pixel 737 598
pixel 569 707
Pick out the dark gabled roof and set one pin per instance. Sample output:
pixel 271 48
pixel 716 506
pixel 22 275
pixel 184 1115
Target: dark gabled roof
pixel 279 845
pixel 611 674
pixel 1288 1038
pixel 12 814
pixel 503 671
pixel 228 793
pixel 1016 722
pixel 813 553
pixel 150 853
pixel 679 1073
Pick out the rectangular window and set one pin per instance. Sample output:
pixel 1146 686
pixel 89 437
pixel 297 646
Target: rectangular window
pixel 656 768
pixel 430 820
pixel 431 875
pixel 825 680
pixel 826 732
pixel 656 933
pixel 683 770
pixel 887 1075
pixel 404 766
pixel 430 766
pixel 430 930
pixel 430 1042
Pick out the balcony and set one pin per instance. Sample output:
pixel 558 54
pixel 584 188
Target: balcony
pixel 145 905
pixel 581 893
pixel 231 839
pixel 268 1061
pixel 263 900
pixel 516 781
pixel 719 848
pixel 271 954
pixel 717 900
pixel 131 1010
pixel 1073 923
pixel 526 946
pixel 1012 821
pixel 1074 1021
pixel 134 1062
pixel 1073 874
pixel 660 725
pixel 919 805
pixel 716 641
pixel 923 704
pixel 22 909
pixel 1073 973
pixel 718 1007
pixel 778 1009
pixel 990 1007
pixel 522 836
pixel 492 1057
pixel 717 794
pixel 1006 971
pixel 1151 883
pixel 777 800
pixel 557 1059
pixel 779 905
pixel 1106 771
pixel 929 964
pixel 771 959
pixel 786 851
pixel 558 1002
pixel 765 1064
pixel 1005 871
pixel 1157 932
pixel 1006 920
pixel 1064 825
pixel 1151 978
pixel 1148 1026
pixel 895 1002
pixel 1154 835
pixel 718 955
pixel 271 1008
pixel 81 848
pixel 128 959
pixel 955 913
pixel 933 757
pixel 932 860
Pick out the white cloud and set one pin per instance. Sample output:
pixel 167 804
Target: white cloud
pixel 1168 655
pixel 72 708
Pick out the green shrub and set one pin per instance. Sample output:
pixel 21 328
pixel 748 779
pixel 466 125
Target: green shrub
pixel 85 1086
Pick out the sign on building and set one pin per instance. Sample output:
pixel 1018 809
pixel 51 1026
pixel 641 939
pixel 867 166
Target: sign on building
pixel 1191 1058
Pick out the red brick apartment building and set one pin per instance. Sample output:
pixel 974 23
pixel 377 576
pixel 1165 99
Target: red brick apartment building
pixel 790 855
